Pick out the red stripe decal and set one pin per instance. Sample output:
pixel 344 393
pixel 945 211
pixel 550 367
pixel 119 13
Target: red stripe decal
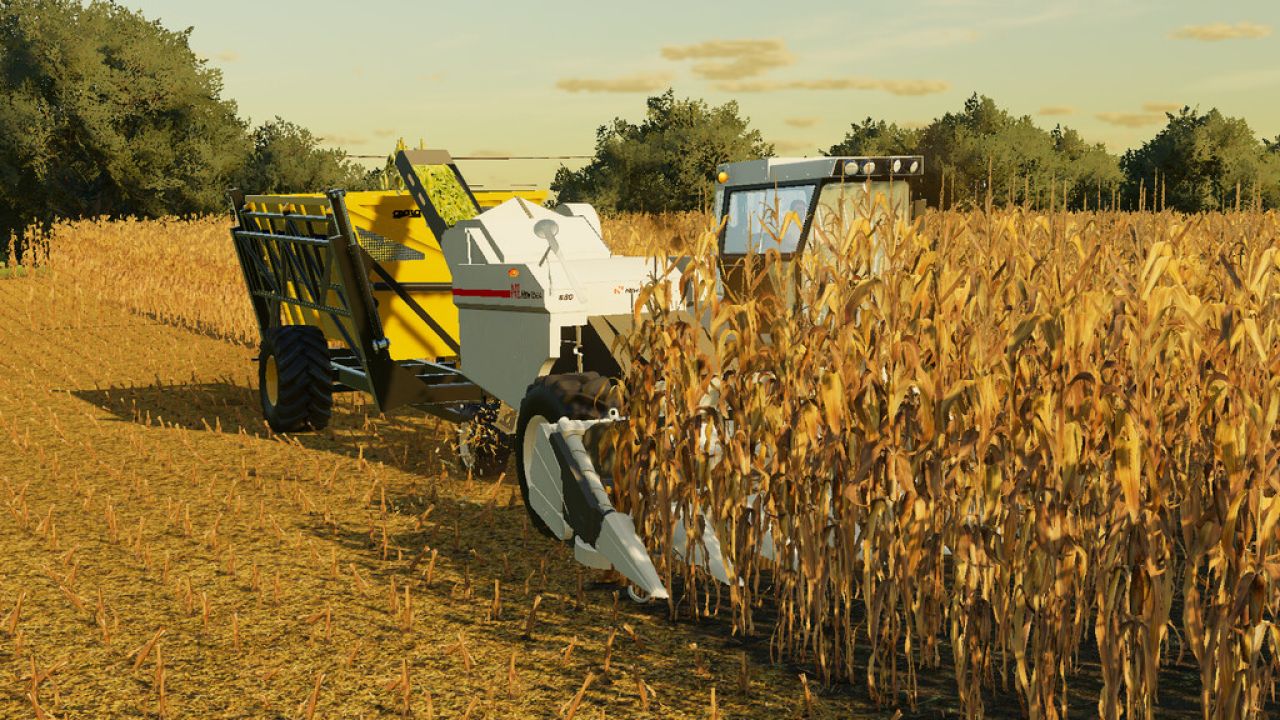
pixel 481 293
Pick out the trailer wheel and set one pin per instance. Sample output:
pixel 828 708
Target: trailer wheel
pixel 577 396
pixel 295 379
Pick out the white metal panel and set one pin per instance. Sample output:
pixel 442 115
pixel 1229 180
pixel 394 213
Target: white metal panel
pixel 546 492
pixel 504 351
pixel 510 227
pixel 583 210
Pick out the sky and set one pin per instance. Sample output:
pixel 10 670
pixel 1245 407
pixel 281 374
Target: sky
pixel 525 78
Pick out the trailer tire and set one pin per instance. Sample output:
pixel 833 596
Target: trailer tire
pixel 295 379
pixel 577 396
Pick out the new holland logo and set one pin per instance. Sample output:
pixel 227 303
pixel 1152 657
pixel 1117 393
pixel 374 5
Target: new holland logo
pixel 518 294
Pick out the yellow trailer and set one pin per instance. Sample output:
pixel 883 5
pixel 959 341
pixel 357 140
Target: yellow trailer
pixel 390 227
pixel 494 198
pixel 403 243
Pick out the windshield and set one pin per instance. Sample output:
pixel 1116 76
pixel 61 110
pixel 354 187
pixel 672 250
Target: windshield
pixel 841 205
pixel 767 219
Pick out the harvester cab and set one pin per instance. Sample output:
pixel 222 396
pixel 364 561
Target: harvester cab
pixel 422 297
pixel 790 205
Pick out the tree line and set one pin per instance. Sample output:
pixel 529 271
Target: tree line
pixel 106 113
pixel 103 112
pixel 982 153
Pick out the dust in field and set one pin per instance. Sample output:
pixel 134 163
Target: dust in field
pixel 165 556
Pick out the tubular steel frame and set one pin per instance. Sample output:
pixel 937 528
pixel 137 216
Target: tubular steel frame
pixel 328 272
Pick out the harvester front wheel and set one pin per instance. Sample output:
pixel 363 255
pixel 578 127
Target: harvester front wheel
pixel 577 396
pixel 295 379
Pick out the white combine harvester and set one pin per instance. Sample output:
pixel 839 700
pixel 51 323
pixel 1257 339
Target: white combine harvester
pixel 539 301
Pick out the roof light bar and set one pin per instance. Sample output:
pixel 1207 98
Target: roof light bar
pixel 864 167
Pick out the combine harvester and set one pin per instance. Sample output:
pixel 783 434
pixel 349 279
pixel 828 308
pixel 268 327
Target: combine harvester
pixel 424 298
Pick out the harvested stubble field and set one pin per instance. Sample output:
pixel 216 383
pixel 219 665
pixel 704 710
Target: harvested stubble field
pixel 165 555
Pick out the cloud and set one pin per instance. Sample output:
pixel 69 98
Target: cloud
pixel 1159 107
pixel 342 141
pixel 626 84
pixel 227 56
pixel 744 67
pixel 1131 120
pixel 732 59
pixel 794 147
pixel 802 122
pixel 894 87
pixel 1221 31
pixel 384 132
pixel 1057 110
pixel 722 49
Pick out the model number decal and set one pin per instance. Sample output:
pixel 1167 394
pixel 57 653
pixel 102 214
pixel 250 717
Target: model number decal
pixel 399 214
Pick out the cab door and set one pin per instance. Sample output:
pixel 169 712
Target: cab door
pixel 759 220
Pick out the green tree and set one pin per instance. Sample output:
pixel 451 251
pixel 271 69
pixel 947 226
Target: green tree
pixel 287 158
pixel 1202 161
pixel 666 163
pixel 105 112
pixel 1087 173
pixel 984 151
pixel 876 137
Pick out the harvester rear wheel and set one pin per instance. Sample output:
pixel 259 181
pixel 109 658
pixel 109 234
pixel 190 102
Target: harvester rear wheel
pixel 295 379
pixel 577 396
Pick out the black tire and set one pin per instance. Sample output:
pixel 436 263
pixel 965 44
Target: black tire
pixel 577 396
pixel 300 395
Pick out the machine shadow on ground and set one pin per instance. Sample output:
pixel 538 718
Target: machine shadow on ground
pixel 407 440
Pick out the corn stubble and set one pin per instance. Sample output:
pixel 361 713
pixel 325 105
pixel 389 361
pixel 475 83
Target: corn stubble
pixel 1026 439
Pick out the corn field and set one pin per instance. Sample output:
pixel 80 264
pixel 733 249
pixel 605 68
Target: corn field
pixel 1029 453
pixel 1026 440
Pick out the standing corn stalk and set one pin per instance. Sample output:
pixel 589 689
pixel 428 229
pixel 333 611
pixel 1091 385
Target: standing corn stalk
pixel 1030 436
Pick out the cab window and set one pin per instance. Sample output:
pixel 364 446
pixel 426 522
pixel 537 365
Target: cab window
pixel 767 219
